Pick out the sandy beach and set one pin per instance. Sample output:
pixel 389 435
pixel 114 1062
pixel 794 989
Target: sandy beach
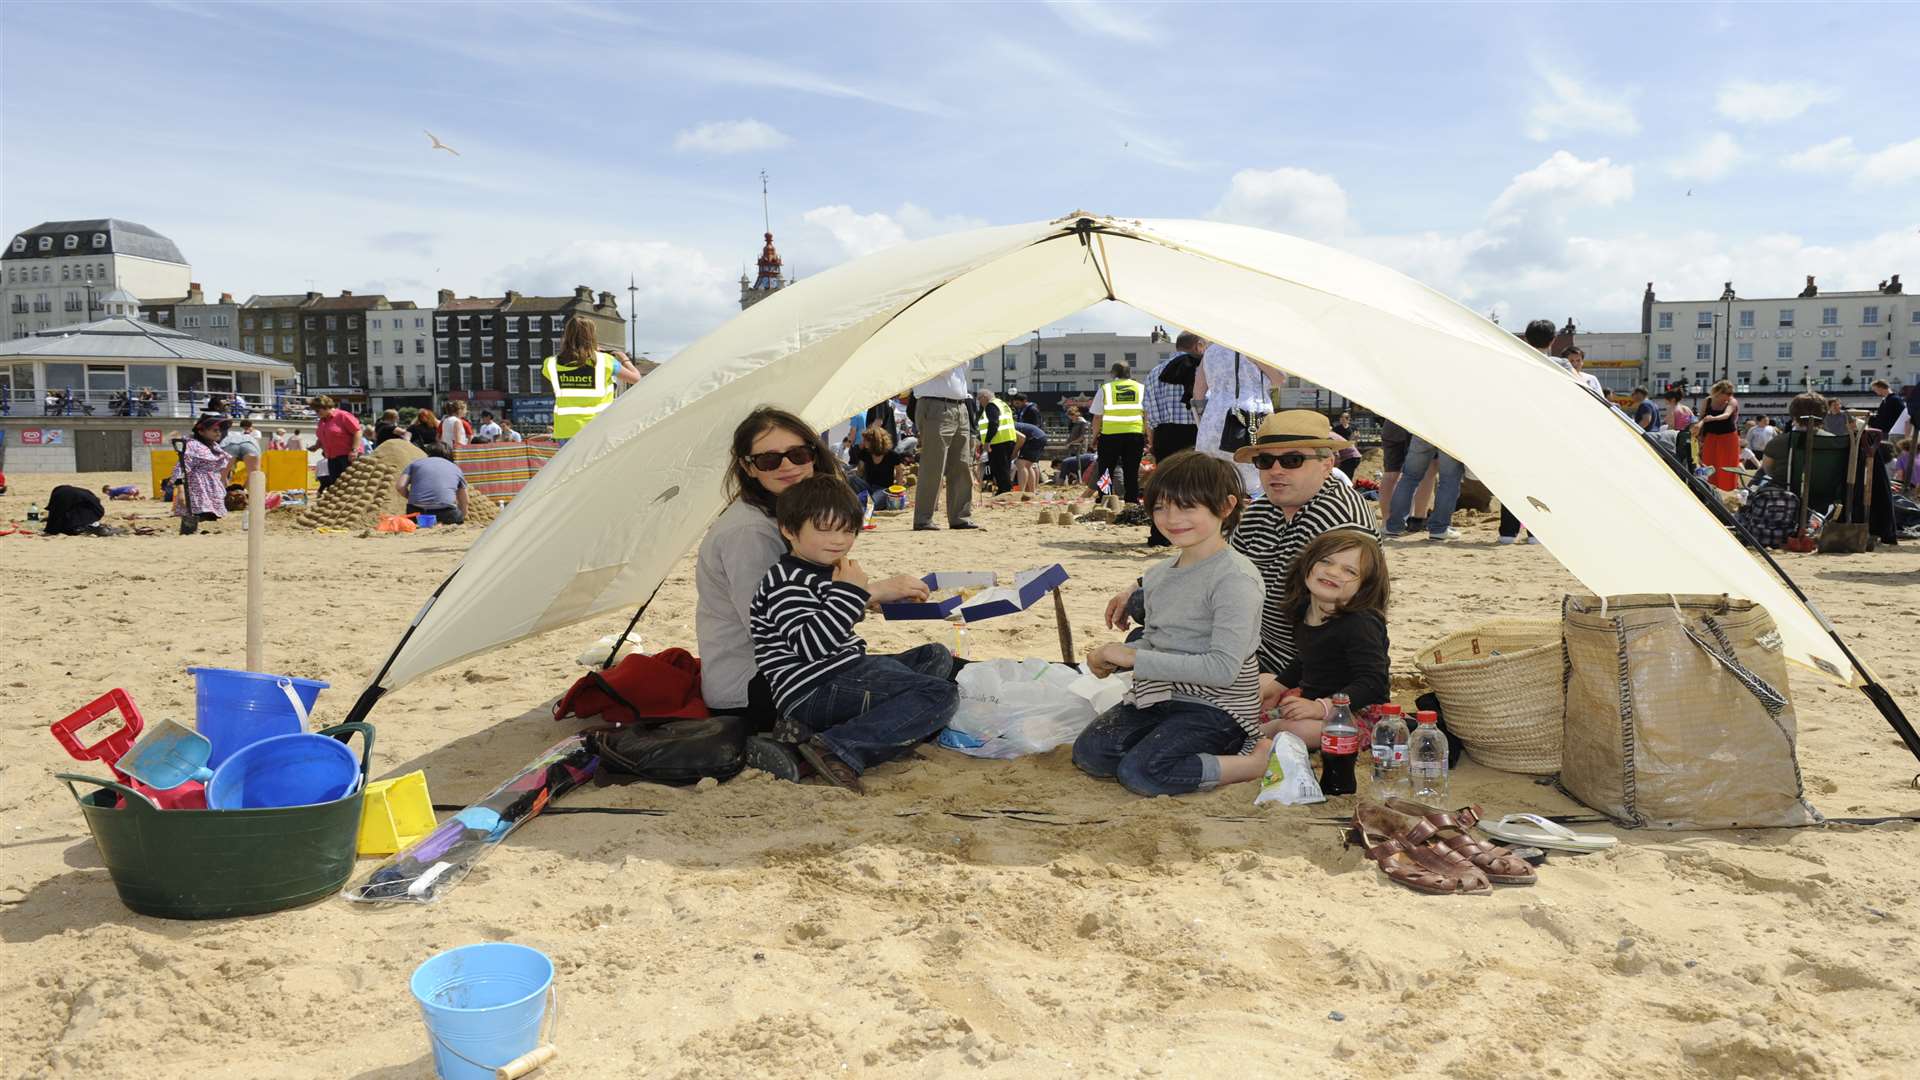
pixel 967 918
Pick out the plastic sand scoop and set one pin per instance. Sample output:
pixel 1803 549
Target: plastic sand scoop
pixel 167 756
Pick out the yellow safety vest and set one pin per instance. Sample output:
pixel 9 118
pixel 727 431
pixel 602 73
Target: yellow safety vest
pixel 579 393
pixel 1004 432
pixel 1123 408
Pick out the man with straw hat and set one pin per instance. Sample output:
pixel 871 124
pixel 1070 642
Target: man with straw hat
pixel 1300 498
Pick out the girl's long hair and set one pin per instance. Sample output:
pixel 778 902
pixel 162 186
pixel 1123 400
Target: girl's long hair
pixel 741 483
pixel 1373 592
pixel 580 342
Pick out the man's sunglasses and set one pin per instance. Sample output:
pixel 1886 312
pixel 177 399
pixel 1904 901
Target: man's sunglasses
pixel 769 461
pixel 1292 459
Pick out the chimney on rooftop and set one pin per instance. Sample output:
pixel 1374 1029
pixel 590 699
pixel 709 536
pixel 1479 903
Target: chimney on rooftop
pixel 583 292
pixel 344 293
pixel 226 298
pixel 606 300
pixel 312 296
pixel 513 297
pixel 193 292
pixel 446 297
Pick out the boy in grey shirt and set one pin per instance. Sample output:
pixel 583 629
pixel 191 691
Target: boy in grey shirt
pixel 1192 719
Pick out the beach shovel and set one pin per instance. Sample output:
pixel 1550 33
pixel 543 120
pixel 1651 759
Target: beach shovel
pixel 1847 537
pixel 168 756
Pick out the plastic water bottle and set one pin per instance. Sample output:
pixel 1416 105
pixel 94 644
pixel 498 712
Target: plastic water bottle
pixel 33 511
pixel 1389 752
pixel 1427 758
pixel 1339 746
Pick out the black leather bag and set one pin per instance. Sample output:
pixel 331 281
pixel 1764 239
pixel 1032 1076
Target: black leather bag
pixel 677 752
pixel 1237 430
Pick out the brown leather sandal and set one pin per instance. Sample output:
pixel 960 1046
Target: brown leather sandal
pixel 1423 869
pixel 1449 830
pixel 828 764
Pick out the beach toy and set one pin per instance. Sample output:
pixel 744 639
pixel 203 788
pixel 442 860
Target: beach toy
pixel 217 864
pixel 287 770
pixel 484 1006
pixel 168 756
pixel 234 708
pixel 108 749
pixel 395 814
pixel 426 521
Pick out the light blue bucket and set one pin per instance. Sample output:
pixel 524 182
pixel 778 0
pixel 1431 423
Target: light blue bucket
pixel 483 1005
pixel 236 708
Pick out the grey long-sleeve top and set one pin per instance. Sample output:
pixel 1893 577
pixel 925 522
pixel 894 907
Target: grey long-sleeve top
pixel 1202 626
pixel 742 544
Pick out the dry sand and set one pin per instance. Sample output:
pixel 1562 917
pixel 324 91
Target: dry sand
pixel 969 917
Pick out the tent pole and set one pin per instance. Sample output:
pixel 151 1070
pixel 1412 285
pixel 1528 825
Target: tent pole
pixel 372 694
pixel 1877 694
pixel 631 623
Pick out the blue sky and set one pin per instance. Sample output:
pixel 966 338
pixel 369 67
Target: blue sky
pixel 1528 159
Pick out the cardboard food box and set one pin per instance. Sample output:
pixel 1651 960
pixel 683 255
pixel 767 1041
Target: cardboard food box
pixel 1028 587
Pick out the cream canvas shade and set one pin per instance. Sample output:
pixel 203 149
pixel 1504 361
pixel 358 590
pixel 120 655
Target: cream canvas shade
pixel 600 525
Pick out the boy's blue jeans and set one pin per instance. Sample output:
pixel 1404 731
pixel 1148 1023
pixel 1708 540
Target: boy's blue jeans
pixel 1421 455
pixel 1163 749
pixel 879 707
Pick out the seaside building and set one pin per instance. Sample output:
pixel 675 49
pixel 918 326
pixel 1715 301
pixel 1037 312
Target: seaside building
pixel 1773 347
pixel 333 346
pixel 1066 367
pixel 1618 358
pixel 212 322
pixel 768 278
pixel 270 325
pixel 99 396
pixel 56 271
pixel 488 350
pixel 400 359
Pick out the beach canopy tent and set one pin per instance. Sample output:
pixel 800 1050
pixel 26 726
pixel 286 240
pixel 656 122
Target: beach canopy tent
pixel 599 527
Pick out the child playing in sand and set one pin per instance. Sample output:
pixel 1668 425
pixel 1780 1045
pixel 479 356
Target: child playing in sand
pixel 1336 595
pixel 841 710
pixel 1191 721
pixel 123 492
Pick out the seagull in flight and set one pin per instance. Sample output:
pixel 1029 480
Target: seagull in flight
pixel 1689 192
pixel 438 145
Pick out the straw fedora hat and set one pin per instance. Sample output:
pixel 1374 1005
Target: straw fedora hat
pixel 1294 429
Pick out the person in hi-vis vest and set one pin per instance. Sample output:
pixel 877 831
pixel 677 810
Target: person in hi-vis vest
pixel 582 377
pixel 997 438
pixel 1120 429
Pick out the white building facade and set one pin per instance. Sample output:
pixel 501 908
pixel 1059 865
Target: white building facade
pixel 400 357
pixel 1617 358
pixel 1836 343
pixel 56 271
pixel 1067 365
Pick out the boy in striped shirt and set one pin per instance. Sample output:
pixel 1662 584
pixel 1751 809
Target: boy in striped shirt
pixel 842 710
pixel 1191 721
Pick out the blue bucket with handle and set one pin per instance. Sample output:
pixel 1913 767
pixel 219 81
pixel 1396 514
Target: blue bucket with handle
pixel 483 1005
pixel 286 770
pixel 234 708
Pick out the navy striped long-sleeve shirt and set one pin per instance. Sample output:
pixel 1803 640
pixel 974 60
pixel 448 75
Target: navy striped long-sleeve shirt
pixel 802 624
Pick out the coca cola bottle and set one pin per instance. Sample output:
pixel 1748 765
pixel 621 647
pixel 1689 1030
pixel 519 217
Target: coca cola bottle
pixel 1339 746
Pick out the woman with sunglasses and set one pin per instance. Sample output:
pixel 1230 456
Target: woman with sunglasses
pixel 772 450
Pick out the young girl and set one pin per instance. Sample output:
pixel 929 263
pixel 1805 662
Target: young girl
pixel 1336 595
pixel 1192 718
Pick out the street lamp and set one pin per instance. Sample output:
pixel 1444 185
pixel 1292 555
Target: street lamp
pixel 89 317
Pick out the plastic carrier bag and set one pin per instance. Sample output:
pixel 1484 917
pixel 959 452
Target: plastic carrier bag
pixel 1009 708
pixel 1289 780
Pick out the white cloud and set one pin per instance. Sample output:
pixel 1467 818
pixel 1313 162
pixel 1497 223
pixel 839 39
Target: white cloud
pixel 1897 163
pixel 730 137
pixel 1894 164
pixel 1829 156
pixel 1709 160
pixel 1565 179
pixel 1106 20
pixel 1572 107
pixel 683 293
pixel 1768 103
pixel 859 234
pixel 1286 200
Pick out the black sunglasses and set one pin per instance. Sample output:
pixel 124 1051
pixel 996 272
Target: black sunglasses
pixel 1292 459
pixel 769 461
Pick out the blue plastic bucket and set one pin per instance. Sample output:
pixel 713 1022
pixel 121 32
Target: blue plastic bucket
pixel 426 521
pixel 483 1005
pixel 234 708
pixel 287 770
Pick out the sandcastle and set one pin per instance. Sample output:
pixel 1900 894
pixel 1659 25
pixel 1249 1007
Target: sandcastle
pixel 364 493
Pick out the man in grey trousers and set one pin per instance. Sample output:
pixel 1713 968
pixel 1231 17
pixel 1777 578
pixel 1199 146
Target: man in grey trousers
pixel 946 449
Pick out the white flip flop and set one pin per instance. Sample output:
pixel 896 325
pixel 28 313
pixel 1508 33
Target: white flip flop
pixel 1534 830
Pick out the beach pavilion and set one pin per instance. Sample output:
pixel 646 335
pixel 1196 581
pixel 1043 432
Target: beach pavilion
pixel 99 396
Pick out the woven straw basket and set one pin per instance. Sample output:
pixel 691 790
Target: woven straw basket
pixel 1506 709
